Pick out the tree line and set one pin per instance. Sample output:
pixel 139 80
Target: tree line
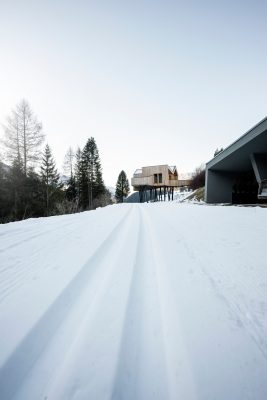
pixel 30 185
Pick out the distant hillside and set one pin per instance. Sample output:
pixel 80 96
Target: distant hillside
pixel 112 190
pixel 5 167
pixel 64 178
pixel 133 198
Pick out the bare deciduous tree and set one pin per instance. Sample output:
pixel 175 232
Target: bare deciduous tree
pixel 23 136
pixel 69 162
pixel 198 177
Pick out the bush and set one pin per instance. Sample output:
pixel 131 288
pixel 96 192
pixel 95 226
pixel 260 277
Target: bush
pixel 198 177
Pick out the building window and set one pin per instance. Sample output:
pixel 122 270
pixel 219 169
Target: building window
pixel 160 178
pixel 155 178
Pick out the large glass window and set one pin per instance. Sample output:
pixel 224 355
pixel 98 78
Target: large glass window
pixel 155 178
pixel 160 178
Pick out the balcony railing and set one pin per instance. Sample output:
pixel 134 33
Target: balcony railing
pixel 149 181
pixel 138 172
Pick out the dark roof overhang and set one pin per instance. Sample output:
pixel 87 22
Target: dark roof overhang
pixel 236 157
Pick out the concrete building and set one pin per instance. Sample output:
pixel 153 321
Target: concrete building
pixel 239 173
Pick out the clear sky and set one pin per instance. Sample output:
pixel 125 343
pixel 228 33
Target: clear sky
pixel 154 81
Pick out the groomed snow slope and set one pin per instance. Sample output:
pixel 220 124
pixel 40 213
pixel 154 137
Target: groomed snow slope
pixel 152 301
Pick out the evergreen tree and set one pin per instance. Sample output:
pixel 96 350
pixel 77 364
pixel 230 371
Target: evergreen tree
pixel 16 188
pixel 34 199
pixel 122 187
pixel 99 187
pixel 77 176
pixel 91 183
pixel 71 190
pixel 218 151
pixel 24 195
pixel 20 195
pixel 4 194
pixel 50 179
pixel 86 177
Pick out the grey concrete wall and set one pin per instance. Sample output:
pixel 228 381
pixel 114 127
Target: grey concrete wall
pixel 218 187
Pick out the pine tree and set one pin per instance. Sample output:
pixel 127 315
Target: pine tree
pixel 34 200
pixel 122 187
pixel 99 187
pixel 218 151
pixel 4 193
pixel 16 181
pixel 77 176
pixel 91 183
pixel 86 177
pixel 20 195
pixel 71 190
pixel 16 186
pixel 50 179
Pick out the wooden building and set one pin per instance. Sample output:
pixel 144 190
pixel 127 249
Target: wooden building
pixel 155 182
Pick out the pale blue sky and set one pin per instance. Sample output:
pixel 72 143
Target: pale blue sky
pixel 153 81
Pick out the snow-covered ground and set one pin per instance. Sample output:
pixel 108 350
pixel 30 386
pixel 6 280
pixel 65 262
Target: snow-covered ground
pixel 152 301
pixel 180 196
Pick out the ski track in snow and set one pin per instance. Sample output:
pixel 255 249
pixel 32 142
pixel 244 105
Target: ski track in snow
pixel 152 301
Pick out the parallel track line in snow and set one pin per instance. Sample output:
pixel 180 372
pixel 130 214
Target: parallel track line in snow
pixel 40 227
pixel 141 372
pixel 22 360
pixel 91 350
pixel 14 275
pixel 37 236
pixel 152 307
pixel 180 379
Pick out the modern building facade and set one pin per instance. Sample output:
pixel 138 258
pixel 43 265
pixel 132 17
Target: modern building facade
pixel 155 182
pixel 239 173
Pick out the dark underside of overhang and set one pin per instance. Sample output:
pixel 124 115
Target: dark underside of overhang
pixel 238 174
pixel 239 160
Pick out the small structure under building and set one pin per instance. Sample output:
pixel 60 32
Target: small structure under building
pixel 239 173
pixel 156 182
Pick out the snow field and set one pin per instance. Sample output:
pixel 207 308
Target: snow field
pixel 150 301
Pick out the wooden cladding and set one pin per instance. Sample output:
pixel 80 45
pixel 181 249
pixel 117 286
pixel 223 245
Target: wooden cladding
pixel 155 176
